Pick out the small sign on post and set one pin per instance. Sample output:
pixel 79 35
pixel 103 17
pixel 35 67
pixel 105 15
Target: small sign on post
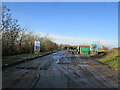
pixel 94 48
pixel 37 47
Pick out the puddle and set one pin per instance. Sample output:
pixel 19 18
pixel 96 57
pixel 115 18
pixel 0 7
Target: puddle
pixel 54 53
pixel 64 63
pixel 83 65
pixel 56 57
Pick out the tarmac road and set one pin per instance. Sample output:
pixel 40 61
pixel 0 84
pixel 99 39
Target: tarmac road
pixel 60 70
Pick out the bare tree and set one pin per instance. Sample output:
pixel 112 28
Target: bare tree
pixel 17 40
pixel 10 31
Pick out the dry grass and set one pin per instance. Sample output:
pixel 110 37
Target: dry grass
pixel 112 59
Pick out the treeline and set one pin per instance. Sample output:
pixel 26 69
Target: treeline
pixel 16 39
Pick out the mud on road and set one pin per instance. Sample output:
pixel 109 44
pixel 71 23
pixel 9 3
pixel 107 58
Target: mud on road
pixel 60 70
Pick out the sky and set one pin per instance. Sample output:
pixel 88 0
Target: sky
pixel 70 22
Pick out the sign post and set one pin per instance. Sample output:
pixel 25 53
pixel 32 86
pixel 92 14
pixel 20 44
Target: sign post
pixel 94 48
pixel 37 47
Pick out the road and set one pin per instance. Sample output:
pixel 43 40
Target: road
pixel 60 70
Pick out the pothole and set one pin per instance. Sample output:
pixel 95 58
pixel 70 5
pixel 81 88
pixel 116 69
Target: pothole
pixel 32 68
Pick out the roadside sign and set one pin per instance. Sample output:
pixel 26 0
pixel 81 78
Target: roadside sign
pixel 94 48
pixel 37 47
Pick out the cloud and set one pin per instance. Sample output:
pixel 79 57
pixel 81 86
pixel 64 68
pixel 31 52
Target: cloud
pixel 81 41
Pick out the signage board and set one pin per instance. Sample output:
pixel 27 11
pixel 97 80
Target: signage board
pixel 94 47
pixel 37 47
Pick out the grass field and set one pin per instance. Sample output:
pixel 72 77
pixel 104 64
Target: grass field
pixel 112 59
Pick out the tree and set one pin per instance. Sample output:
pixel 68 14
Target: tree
pixel 10 31
pixel 105 48
pixel 17 40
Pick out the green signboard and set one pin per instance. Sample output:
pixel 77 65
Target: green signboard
pixel 85 50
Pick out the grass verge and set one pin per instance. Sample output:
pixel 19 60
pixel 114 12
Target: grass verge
pixel 112 59
pixel 16 59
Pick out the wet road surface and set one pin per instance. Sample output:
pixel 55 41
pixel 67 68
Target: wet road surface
pixel 60 70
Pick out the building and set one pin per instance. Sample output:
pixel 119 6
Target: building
pixel 84 49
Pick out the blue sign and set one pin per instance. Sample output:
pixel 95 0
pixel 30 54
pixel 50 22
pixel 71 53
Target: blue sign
pixel 94 47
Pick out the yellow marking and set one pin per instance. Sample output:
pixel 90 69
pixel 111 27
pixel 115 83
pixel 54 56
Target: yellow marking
pixel 37 53
pixel 37 43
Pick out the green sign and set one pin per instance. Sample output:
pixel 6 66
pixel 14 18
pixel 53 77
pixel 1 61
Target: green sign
pixel 85 50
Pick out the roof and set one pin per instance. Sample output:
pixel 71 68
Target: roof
pixel 85 46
